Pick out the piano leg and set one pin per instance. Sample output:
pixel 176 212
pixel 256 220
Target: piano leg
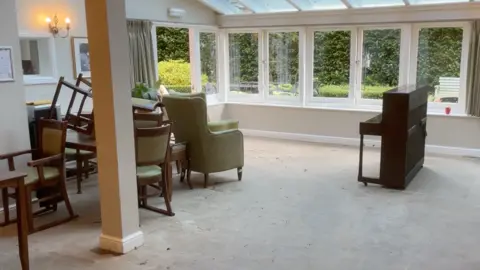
pixel 360 163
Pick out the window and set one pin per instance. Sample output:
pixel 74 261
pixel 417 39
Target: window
pixel 349 65
pixel 208 62
pixel 331 64
pixel 243 63
pixel 173 57
pixel 37 60
pixel 380 62
pixel 283 67
pixel 439 61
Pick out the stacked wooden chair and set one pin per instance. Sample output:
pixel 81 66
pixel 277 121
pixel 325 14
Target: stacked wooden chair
pixel 46 175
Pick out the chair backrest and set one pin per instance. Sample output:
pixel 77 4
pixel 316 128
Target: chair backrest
pixel 189 117
pixel 152 144
pixel 147 120
pixel 52 137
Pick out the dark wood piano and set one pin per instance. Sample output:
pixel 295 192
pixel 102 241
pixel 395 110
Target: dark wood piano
pixel 402 126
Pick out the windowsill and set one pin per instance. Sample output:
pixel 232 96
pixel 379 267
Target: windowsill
pixel 38 80
pixel 346 108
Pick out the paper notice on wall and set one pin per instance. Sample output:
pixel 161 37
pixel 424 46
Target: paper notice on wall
pixel 6 65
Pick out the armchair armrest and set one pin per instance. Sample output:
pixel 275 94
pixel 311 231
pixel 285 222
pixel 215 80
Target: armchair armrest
pixel 18 153
pixel 44 161
pixel 222 125
pixel 225 150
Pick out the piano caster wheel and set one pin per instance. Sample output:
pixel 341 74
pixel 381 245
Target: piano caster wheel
pixel 365 183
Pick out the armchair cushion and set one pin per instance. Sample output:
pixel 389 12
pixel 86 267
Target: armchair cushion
pixel 144 172
pixel 50 173
pixel 222 125
pixel 73 152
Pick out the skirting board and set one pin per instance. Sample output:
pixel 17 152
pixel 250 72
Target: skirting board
pixel 431 149
pixel 121 246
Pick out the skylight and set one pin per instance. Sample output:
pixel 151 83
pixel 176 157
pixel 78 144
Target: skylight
pixel 231 7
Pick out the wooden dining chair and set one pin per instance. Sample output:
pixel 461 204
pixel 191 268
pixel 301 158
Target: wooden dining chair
pixel 152 158
pixel 45 174
pixel 84 122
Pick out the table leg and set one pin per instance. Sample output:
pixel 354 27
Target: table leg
pixel 22 226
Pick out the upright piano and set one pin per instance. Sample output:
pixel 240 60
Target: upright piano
pixel 402 127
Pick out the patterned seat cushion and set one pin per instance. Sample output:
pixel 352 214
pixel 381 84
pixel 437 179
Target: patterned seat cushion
pixel 73 152
pixel 49 173
pixel 149 171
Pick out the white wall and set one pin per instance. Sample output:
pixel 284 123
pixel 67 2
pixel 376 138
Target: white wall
pixel 342 126
pixel 31 22
pixel 14 134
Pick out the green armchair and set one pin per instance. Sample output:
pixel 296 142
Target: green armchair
pixel 212 146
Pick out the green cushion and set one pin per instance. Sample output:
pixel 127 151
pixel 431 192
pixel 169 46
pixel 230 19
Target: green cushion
pixel 73 152
pixel 149 171
pixel 48 172
pixel 222 125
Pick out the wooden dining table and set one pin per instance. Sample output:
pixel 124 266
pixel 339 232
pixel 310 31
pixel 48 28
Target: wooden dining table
pixel 15 179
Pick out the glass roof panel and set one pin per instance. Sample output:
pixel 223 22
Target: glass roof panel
pixel 318 4
pixel 227 7
pixel 420 2
pixel 265 6
pixel 376 3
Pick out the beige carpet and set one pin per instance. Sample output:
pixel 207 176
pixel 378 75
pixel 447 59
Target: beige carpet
pixel 298 207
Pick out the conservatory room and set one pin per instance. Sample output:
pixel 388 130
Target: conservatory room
pixel 239 134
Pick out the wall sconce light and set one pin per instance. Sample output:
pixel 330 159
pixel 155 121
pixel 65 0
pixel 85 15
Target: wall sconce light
pixel 55 29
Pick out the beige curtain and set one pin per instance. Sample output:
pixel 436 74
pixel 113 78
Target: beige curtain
pixel 142 58
pixel 473 75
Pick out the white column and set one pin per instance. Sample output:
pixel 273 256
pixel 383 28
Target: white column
pixel 109 60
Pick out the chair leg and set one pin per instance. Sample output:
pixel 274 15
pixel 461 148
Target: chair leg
pixel 179 166
pixel 239 173
pixel 6 210
pixel 79 175
pixel 189 172
pixel 64 194
pixel 205 181
pixel 167 194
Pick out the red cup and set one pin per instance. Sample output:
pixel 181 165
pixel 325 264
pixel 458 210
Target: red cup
pixel 448 110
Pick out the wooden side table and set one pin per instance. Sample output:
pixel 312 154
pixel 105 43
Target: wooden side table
pixel 15 180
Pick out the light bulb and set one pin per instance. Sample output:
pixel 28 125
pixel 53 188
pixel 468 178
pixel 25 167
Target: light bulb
pixel 67 20
pixel 48 20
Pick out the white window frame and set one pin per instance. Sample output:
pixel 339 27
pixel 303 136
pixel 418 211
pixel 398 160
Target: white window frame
pixel 301 66
pixel 195 61
pixel 40 79
pixel 261 76
pixel 318 101
pixel 402 66
pixel 212 98
pixel 436 107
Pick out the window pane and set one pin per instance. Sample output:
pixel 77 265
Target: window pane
pixel 173 59
pixel 439 57
pixel 283 63
pixel 319 4
pixel 380 62
pixel 208 61
pixel 376 3
pixel 243 60
pixel 331 64
pixel 30 57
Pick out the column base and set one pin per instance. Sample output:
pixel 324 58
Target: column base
pixel 121 245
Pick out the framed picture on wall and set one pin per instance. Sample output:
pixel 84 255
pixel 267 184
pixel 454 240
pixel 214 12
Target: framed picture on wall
pixel 6 64
pixel 81 57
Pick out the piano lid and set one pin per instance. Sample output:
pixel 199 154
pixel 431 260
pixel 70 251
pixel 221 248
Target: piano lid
pixel 405 89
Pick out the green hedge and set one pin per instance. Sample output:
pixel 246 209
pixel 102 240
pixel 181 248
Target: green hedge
pixel 179 88
pixel 341 91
